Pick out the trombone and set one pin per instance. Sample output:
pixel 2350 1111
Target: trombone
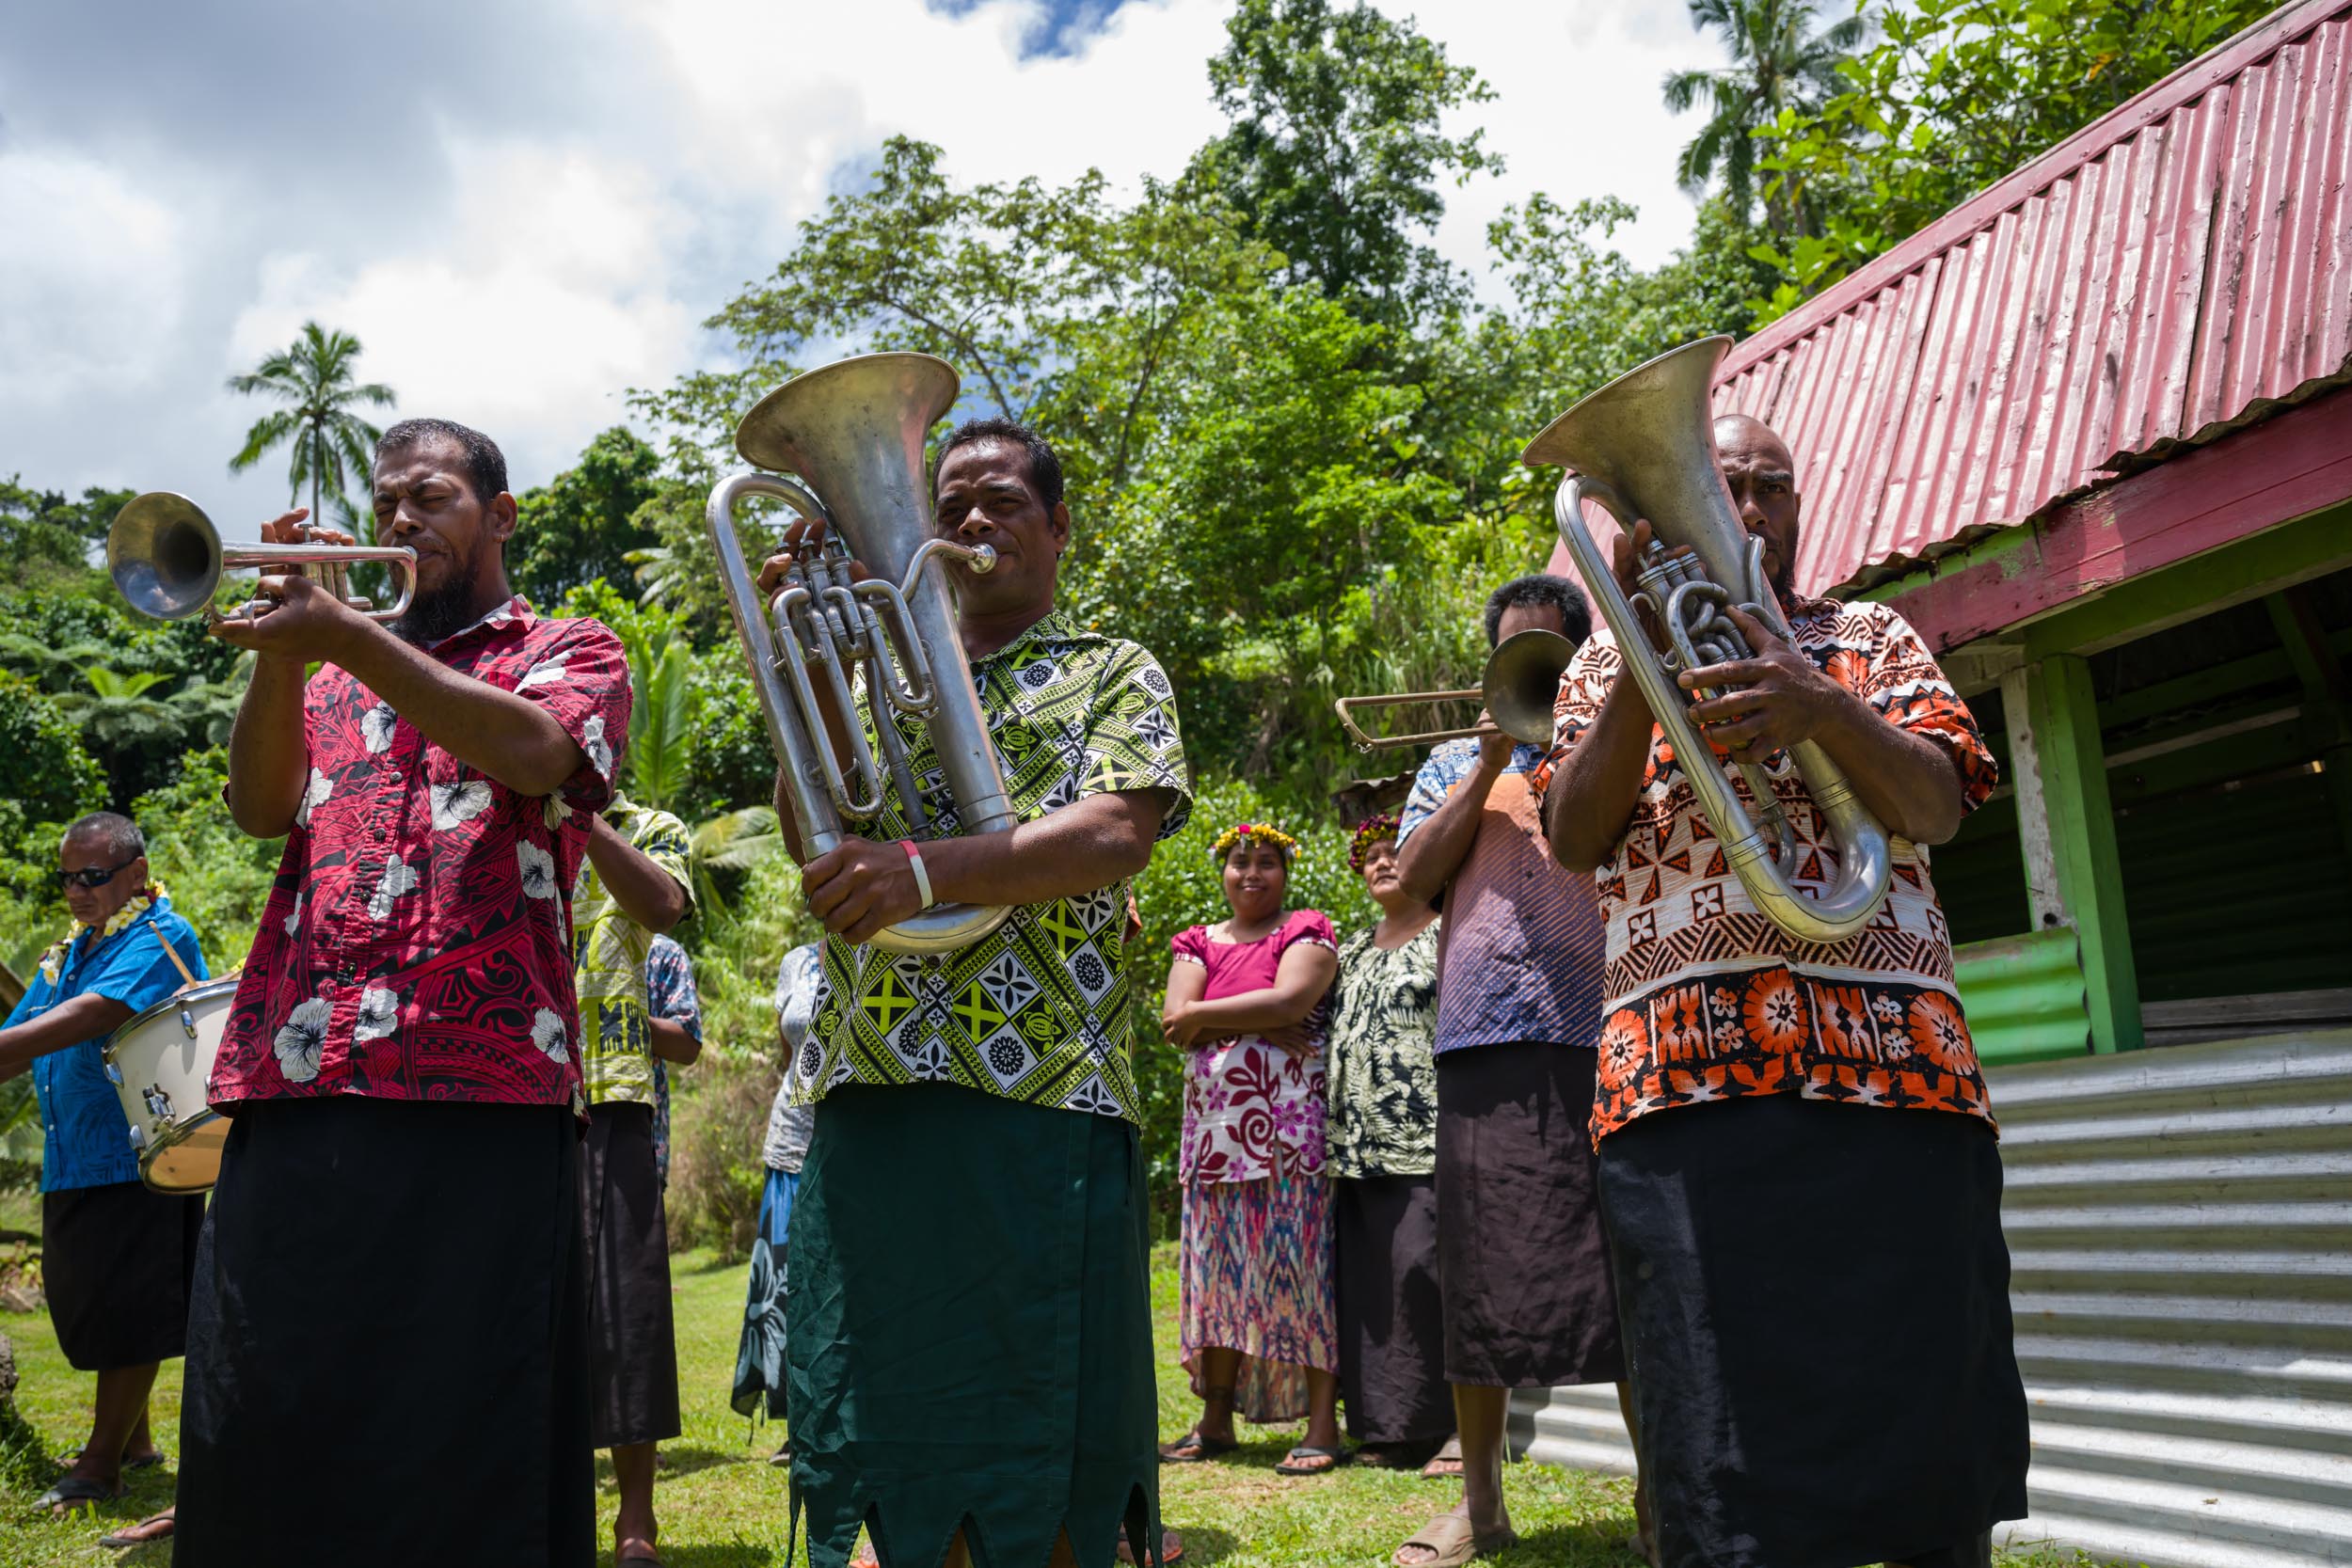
pixel 1522 676
pixel 166 560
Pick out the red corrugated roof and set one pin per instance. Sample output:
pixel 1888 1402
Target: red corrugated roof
pixel 2180 266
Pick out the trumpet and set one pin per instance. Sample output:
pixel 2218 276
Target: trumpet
pixel 854 431
pixel 1521 678
pixel 166 560
pixel 1643 446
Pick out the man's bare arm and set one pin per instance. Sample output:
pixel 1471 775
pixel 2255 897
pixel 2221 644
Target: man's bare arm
pixel 1598 781
pixel 644 892
pixel 84 1017
pixel 673 1042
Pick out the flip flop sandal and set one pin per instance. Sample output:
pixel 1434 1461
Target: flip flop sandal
pixel 1453 1544
pixel 1193 1448
pixel 146 1462
pixel 74 1490
pixel 141 1534
pixel 1446 1464
pixel 1172 1549
pixel 1289 1467
pixel 782 1458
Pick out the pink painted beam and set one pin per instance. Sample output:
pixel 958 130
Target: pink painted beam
pixel 2292 464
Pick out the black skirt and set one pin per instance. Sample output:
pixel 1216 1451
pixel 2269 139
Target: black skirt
pixel 387 1347
pixel 115 1260
pixel 1391 1323
pixel 633 1345
pixel 1817 1307
pixel 1521 1256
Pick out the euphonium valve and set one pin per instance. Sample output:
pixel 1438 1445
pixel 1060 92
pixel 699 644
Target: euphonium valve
pixel 1643 446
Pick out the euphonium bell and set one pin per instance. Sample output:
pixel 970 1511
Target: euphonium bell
pixel 166 560
pixel 1643 446
pixel 854 432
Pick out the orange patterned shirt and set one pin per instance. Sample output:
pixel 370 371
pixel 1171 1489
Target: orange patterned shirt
pixel 1705 998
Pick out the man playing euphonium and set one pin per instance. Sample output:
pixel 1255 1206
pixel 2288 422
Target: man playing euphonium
pixel 1797 1158
pixel 969 1343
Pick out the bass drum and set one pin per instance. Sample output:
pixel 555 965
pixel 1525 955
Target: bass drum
pixel 159 1063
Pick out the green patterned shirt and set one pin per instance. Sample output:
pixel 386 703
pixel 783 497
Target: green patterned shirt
pixel 1038 1010
pixel 609 962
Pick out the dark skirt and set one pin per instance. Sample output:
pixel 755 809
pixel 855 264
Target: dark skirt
pixel 1817 1305
pixel 969 1330
pixel 1392 1322
pixel 387 1343
pixel 1522 1258
pixel 760 1351
pixel 633 1345
pixel 116 1261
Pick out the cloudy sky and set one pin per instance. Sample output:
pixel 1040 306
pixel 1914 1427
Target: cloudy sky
pixel 523 208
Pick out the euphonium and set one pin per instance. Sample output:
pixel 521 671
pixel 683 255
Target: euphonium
pixel 1643 446
pixel 854 432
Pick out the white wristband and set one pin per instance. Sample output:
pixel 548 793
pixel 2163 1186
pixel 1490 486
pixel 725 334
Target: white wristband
pixel 922 877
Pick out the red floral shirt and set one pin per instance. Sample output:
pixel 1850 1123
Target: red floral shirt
pixel 416 943
pixel 1706 999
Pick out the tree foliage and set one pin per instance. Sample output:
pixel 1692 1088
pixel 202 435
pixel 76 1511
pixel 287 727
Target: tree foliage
pixel 329 444
pixel 1780 64
pixel 581 526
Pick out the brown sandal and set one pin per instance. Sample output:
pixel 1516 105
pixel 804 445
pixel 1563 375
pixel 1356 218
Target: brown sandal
pixel 1446 1464
pixel 1454 1543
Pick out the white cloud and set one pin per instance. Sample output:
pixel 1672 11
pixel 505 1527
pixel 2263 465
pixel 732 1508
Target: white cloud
pixel 516 254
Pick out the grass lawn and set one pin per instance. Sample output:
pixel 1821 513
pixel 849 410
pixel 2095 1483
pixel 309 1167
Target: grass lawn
pixel 722 1505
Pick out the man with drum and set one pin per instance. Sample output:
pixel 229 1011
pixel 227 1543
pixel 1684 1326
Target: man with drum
pixel 393 1254
pixel 1796 1152
pixel 116 1258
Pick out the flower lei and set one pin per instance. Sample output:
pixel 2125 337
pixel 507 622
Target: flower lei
pixel 1258 831
pixel 1371 830
pixel 53 961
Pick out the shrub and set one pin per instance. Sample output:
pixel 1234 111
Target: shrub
pixel 718 1120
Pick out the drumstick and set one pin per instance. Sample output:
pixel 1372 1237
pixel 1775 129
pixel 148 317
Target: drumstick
pixel 172 953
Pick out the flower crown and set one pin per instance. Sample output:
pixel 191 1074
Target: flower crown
pixel 1259 831
pixel 1371 830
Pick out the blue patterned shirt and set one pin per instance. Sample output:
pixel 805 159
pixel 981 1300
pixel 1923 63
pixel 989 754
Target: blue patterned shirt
pixel 86 1139
pixel 669 994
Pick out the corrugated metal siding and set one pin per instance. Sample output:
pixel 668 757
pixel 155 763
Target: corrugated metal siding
pixel 2180 1227
pixel 2131 293
pixel 2024 996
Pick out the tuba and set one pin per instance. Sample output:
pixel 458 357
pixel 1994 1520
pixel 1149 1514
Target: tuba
pixel 853 432
pixel 1643 446
pixel 166 560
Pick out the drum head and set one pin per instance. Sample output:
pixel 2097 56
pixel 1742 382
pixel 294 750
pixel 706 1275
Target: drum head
pixel 187 1163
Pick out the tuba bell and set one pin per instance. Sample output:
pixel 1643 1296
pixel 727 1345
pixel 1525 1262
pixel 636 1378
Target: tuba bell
pixel 853 432
pixel 1643 446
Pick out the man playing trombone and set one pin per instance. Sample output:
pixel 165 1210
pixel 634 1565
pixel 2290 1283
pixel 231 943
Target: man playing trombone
pixel 1797 1158
pixel 969 1345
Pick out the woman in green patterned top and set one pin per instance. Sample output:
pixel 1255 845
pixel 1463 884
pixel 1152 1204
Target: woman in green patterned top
pixel 1382 1157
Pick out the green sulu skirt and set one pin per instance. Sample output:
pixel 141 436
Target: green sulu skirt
pixel 968 1331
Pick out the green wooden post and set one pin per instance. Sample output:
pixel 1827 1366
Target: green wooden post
pixel 2087 878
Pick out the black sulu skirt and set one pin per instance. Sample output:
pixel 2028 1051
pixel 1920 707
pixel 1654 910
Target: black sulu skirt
pixel 632 1342
pixel 1384 1249
pixel 387 1343
pixel 115 1260
pixel 1816 1301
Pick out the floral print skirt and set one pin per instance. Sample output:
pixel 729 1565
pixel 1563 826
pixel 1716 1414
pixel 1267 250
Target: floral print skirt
pixel 759 1355
pixel 1257 1278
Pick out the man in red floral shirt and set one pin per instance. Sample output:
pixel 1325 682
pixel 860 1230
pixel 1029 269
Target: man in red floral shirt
pixel 392 1255
pixel 1796 1160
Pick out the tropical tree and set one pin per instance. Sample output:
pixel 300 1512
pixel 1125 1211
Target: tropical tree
pixel 582 525
pixel 331 443
pixel 1778 63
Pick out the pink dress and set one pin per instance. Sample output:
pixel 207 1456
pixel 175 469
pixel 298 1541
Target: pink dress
pixel 1256 1253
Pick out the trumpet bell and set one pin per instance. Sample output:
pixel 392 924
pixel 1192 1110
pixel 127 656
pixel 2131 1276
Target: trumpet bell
pixel 163 555
pixel 1523 680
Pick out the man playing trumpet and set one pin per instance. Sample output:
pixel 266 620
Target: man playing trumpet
pixel 969 1345
pixel 1797 1158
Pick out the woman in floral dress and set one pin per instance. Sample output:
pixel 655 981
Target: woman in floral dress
pixel 1245 999
pixel 1381 1155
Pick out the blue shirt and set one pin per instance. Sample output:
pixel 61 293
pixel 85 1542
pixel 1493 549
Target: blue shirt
pixel 668 994
pixel 86 1139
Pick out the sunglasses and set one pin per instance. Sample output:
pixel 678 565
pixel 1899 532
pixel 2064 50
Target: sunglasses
pixel 93 875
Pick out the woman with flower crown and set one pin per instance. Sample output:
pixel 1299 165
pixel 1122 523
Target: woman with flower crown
pixel 1244 998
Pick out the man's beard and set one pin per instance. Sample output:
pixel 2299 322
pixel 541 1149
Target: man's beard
pixel 436 613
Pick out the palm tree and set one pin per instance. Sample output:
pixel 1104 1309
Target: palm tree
pixel 1777 62
pixel 312 376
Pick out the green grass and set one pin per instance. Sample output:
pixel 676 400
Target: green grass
pixel 722 1505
